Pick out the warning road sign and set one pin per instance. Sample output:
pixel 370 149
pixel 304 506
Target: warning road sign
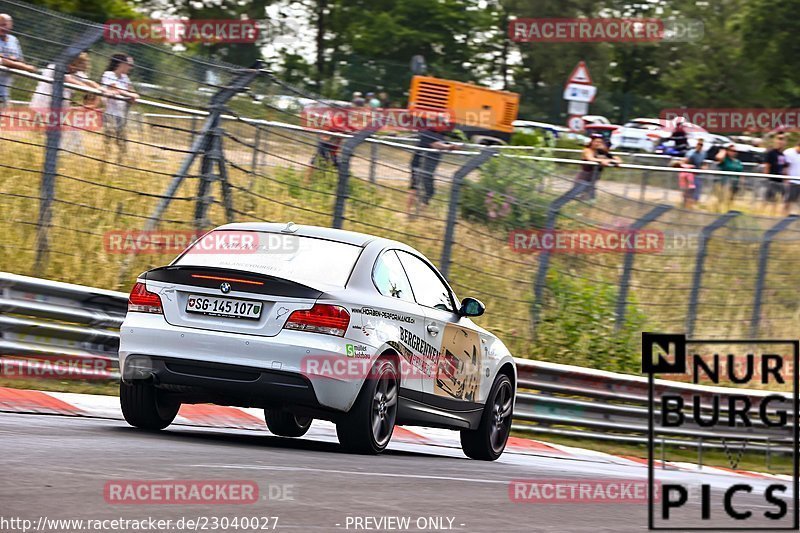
pixel 580 74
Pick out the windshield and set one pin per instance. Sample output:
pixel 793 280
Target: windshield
pixel 306 260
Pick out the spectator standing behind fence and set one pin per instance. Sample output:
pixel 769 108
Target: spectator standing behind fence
pixel 597 152
pixel 72 139
pixel 696 157
pixel 328 145
pixel 686 182
pixel 423 168
pixel 115 120
pixel 42 95
pixel 775 163
pixel 792 156
pixel 10 57
pixel 679 137
pixel 728 186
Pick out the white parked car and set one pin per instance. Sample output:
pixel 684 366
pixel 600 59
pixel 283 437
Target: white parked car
pixel 646 134
pixel 309 322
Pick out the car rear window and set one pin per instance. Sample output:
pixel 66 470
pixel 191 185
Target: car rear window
pixel 302 259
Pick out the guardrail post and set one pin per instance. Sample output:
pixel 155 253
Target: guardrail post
pixel 763 258
pixel 52 145
pixel 452 210
pixel 544 257
pixel 768 456
pixel 702 249
pixel 700 454
pixel 342 193
pixel 204 142
pixel 627 267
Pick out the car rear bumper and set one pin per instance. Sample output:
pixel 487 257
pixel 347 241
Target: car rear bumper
pixel 236 369
pixel 223 383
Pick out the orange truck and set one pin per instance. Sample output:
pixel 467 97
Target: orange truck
pixel 484 115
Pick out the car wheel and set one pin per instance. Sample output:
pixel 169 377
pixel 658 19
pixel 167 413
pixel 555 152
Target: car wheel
pixel 145 407
pixel 487 442
pixel 368 427
pixel 285 424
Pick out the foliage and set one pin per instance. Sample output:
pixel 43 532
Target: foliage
pixel 94 10
pixel 578 326
pixel 505 196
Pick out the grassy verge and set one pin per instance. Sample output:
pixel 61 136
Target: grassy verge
pixel 108 388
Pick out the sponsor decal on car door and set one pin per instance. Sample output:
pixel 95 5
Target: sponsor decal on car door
pixel 457 372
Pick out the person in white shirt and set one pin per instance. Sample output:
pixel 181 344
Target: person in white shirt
pixel 10 57
pixel 792 157
pixel 115 79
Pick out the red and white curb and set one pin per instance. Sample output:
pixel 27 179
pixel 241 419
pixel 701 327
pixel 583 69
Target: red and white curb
pixel 207 415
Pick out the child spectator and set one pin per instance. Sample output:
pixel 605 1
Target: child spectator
pixel 686 182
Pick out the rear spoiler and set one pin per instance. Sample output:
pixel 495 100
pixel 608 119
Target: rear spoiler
pixel 239 280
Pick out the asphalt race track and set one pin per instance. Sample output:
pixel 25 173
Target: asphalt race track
pixel 57 467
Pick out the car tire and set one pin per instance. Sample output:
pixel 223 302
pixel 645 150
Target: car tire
pixel 487 442
pixel 145 407
pixel 367 428
pixel 286 424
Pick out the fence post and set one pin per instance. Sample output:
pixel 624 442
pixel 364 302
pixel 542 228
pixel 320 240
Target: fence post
pixel 204 142
pixel 702 248
pixel 625 278
pixel 643 188
pixel 344 174
pixel 256 147
pixel 544 258
pixel 53 142
pixel 452 210
pixel 373 160
pixel 763 258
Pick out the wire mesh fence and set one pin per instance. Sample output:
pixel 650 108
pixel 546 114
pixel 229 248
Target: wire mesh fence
pixel 207 143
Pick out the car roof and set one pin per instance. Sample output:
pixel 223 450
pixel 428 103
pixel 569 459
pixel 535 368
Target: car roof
pixel 330 234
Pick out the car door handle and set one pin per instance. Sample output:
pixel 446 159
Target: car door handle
pixel 433 330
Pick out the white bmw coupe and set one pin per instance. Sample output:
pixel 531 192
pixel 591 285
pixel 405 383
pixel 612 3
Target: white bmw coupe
pixel 309 322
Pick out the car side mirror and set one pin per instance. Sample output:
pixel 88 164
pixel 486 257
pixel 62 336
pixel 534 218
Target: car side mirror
pixel 471 307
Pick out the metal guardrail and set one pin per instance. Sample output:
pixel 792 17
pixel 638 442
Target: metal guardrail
pixel 59 329
pixel 43 320
pixel 572 401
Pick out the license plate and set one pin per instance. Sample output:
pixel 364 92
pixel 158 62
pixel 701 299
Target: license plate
pixel 223 307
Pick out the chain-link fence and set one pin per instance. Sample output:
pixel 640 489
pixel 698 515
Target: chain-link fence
pixel 209 143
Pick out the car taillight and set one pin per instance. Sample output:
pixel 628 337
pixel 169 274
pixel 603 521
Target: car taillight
pixel 143 301
pixel 322 318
